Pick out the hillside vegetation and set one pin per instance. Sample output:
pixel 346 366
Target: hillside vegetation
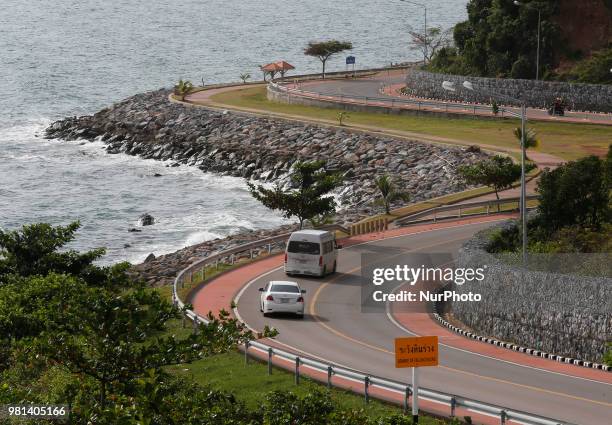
pixel 499 39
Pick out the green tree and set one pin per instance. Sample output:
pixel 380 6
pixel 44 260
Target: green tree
pixel 103 339
pixel 323 50
pixel 574 193
pixel 499 39
pixel 312 182
pixel 244 77
pixel 40 249
pixel 608 357
pixel 343 115
pixel 531 138
pixel 389 193
pixel 498 172
pixel 182 88
pixel 594 70
pixel 608 165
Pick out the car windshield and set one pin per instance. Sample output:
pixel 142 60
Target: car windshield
pixel 285 288
pixel 297 247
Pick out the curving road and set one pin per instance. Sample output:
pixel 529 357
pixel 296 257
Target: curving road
pixel 386 84
pixel 334 329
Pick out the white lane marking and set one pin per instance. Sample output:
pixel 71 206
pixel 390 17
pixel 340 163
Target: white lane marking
pixel 241 292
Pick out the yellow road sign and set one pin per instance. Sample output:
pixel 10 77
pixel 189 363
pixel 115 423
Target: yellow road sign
pixel 416 352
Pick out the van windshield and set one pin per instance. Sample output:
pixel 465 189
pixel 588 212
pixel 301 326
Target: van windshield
pixel 298 247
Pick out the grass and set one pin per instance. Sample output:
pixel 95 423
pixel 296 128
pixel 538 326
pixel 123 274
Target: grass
pixel 249 383
pixel 566 140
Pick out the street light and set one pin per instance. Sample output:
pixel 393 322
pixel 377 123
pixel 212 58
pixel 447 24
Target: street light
pixel 450 86
pixel 518 3
pixel 426 51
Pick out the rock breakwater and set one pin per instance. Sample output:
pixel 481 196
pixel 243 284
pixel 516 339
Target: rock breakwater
pixel 264 149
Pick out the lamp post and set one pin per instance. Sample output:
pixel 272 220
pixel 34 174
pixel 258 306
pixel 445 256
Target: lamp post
pixel 426 49
pixel 518 3
pixel 449 86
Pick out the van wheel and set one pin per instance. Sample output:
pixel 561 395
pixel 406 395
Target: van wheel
pixel 334 270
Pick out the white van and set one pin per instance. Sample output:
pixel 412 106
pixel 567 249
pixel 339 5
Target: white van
pixel 311 252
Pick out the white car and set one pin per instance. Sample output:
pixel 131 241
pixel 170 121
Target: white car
pixel 282 297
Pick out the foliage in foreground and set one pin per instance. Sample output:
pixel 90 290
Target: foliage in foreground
pixel 86 336
pixel 90 337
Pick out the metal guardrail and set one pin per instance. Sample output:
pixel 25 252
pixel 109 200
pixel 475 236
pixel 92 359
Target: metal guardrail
pixel 231 254
pixel 369 381
pixel 452 401
pixel 460 208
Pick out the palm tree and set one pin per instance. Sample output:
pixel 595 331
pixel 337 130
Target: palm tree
pixel 183 88
pixel 245 77
pixel 388 192
pixel 531 139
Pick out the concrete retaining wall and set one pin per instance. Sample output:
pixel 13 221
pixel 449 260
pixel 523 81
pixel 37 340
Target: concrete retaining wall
pixel 564 314
pixel 538 94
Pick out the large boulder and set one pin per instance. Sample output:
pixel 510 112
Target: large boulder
pixel 147 220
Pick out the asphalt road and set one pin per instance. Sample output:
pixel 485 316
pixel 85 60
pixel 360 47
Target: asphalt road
pixel 336 330
pixel 371 87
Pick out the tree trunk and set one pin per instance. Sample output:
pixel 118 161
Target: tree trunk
pixel 323 69
pixel 498 205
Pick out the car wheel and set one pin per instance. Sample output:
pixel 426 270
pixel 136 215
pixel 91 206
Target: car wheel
pixel 266 314
pixel 300 316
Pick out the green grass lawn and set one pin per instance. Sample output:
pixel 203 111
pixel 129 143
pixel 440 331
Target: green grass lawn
pixel 568 141
pixel 251 382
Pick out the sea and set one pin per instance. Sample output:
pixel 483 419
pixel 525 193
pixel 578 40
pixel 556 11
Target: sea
pixel 60 58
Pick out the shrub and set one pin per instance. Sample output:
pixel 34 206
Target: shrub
pixel 575 193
